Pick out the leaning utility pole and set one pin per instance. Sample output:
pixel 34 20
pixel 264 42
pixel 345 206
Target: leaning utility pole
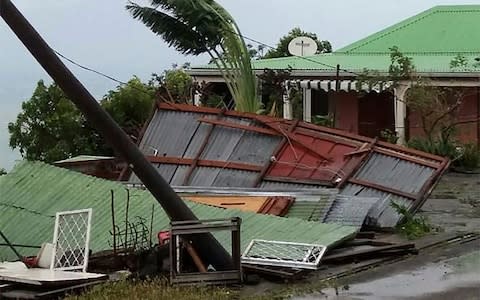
pixel 210 250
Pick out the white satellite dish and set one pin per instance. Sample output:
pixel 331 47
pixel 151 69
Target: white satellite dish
pixel 302 46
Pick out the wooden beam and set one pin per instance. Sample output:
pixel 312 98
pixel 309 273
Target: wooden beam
pixel 382 188
pixel 298 181
pixel 290 136
pixel 359 161
pixel 205 163
pixel 194 164
pixel 239 126
pixel 412 159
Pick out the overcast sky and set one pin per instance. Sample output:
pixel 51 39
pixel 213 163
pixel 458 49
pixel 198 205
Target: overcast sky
pixel 101 35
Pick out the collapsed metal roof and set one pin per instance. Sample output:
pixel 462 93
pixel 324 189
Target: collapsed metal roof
pixel 33 192
pixel 206 147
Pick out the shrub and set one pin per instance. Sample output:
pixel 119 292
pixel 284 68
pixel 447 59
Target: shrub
pixel 412 227
pixel 469 157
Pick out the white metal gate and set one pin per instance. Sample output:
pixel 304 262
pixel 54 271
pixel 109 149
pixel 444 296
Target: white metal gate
pixel 283 254
pixel 71 240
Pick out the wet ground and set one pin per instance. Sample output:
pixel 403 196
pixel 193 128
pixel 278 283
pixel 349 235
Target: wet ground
pixel 454 204
pixel 449 272
pixel 454 277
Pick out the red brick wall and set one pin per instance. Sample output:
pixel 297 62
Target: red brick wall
pixel 468 111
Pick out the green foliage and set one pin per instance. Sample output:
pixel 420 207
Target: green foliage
pixel 3 171
pixel 130 105
pixel 460 62
pixel 444 145
pixel 469 157
pixel 215 101
pixel 50 128
pixel 411 227
pixel 296 99
pixel 389 136
pixel 282 47
pixel 174 85
pixel 204 26
pixel 323 120
pixel 436 106
pixel 273 89
pixel 401 66
pixel 153 289
pixel 179 84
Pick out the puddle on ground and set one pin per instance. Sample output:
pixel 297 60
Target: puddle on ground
pixel 448 275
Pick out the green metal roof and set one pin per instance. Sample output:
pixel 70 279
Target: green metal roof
pixel 309 210
pixel 432 39
pixel 427 63
pixel 441 29
pixel 358 62
pixel 33 192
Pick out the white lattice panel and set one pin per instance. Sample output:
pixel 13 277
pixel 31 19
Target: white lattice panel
pixel 71 240
pixel 283 254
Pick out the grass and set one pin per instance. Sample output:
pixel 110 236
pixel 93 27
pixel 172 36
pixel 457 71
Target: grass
pixel 153 289
pixel 411 227
pixel 160 289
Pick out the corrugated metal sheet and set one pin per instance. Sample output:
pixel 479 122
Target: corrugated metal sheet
pixel 395 173
pixel 170 132
pixel 295 161
pixel 311 208
pixel 207 176
pixel 255 191
pixel 247 150
pixel 350 210
pixel 32 193
pixel 382 213
pixel 286 186
pixel 224 144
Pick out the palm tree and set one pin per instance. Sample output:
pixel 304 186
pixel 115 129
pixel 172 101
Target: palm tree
pixel 203 26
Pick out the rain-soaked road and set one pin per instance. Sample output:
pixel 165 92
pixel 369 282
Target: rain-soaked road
pixel 452 278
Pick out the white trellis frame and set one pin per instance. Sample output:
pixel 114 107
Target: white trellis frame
pixel 71 240
pixel 283 254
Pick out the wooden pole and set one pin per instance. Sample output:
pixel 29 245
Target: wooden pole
pixel 208 247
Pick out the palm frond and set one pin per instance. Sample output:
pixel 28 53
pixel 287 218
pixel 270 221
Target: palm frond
pixel 198 26
pixel 175 33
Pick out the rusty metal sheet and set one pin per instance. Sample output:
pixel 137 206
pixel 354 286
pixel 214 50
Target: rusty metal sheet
pixel 288 155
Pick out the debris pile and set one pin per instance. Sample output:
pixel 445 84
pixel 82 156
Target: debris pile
pixel 205 147
pixel 283 198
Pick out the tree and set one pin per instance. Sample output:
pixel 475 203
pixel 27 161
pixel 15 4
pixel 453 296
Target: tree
pixel 273 89
pixel 282 47
pixel 204 26
pixel 130 105
pixel 437 107
pixel 174 85
pixel 50 128
pixel 3 171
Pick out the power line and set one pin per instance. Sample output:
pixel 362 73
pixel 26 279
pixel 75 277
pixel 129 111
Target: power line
pixel 301 57
pixel 88 69
pixel 98 72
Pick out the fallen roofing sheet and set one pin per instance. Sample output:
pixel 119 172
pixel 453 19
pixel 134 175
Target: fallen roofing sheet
pixel 269 205
pixel 208 147
pixel 319 205
pixel 339 209
pixel 33 192
pixel 350 210
pixel 275 202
